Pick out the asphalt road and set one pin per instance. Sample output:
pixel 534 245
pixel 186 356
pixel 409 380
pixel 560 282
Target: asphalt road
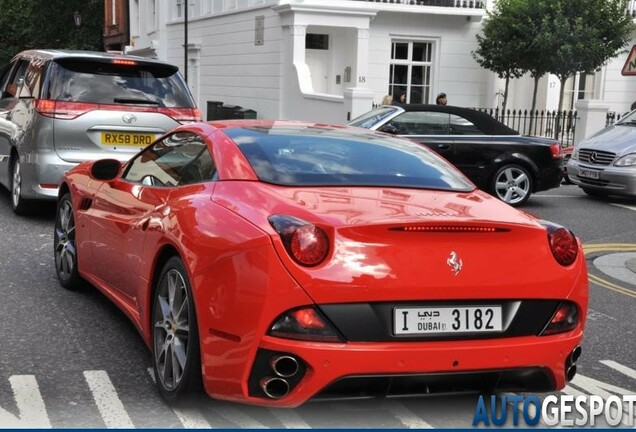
pixel 71 359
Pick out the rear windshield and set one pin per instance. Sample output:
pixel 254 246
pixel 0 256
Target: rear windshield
pixel 88 80
pixel 316 156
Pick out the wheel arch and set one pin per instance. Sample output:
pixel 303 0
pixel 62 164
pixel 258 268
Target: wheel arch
pixel 515 159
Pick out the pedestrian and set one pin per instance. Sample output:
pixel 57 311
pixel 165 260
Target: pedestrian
pixel 441 99
pixel 401 99
pixel 387 100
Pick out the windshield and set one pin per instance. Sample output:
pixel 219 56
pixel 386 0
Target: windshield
pixel 629 119
pixel 372 118
pixel 316 156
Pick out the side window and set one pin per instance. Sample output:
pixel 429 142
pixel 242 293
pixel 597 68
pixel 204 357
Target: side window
pixel 17 79
pixel 4 79
pixel 461 126
pixel 421 123
pixel 33 80
pixel 179 159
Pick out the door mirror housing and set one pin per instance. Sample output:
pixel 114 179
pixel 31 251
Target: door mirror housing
pixel 389 128
pixel 105 169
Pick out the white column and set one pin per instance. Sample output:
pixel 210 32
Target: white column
pixel 359 99
pixel 592 115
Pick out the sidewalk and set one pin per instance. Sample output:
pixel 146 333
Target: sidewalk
pixel 620 266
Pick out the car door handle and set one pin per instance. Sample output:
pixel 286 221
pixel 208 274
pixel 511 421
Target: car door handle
pixel 443 146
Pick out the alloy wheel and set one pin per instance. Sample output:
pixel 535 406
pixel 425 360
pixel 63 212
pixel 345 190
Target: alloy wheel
pixel 512 185
pixel 65 248
pixel 171 329
pixel 16 185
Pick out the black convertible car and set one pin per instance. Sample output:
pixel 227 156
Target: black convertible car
pixel 495 157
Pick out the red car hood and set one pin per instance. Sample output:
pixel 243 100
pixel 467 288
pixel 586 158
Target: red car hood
pixel 381 251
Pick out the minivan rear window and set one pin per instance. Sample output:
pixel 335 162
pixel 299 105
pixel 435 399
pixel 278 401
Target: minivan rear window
pixel 105 82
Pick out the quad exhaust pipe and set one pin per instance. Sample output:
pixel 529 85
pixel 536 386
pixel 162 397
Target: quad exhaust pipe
pixel 570 363
pixel 284 366
pixel 274 388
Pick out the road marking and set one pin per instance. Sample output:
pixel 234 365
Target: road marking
pixel 406 416
pixel 619 367
pixel 628 207
pixel 289 418
pixel 108 403
pixel 31 408
pixel 611 286
pixel 239 418
pixel 610 247
pixel 604 390
pixel 190 418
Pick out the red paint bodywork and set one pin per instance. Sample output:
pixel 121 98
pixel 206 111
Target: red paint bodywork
pixel 243 278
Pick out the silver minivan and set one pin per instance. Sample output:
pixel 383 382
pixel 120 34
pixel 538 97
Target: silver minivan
pixel 59 108
pixel 605 163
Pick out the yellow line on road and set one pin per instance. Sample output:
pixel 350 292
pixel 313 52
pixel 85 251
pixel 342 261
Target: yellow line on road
pixel 610 247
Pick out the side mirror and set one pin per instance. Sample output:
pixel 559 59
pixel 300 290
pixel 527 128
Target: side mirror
pixel 105 169
pixel 389 128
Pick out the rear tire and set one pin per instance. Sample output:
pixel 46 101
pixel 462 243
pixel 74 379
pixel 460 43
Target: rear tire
pixel 512 184
pixel 176 358
pixel 18 203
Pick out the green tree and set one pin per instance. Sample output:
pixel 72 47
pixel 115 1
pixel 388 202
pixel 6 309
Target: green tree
pixel 499 44
pixel 27 24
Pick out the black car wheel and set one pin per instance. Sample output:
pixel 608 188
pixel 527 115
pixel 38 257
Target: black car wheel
pixel 65 245
pixel 18 203
pixel 176 357
pixel 512 184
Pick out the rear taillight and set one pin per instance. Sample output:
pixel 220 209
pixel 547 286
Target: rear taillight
pixel 563 320
pixel 563 244
pixel 182 115
pixel 306 243
pixel 70 110
pixel 304 324
pixel 556 151
pixel 63 109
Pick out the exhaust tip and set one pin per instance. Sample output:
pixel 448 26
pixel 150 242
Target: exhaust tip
pixel 575 354
pixel 284 366
pixel 274 388
pixel 571 372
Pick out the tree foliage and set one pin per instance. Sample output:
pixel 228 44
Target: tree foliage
pixel 26 24
pixel 561 37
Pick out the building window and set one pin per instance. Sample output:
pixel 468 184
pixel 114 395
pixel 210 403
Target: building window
pixel 317 41
pixel 179 9
pixel 153 16
pixel 577 87
pixel 410 70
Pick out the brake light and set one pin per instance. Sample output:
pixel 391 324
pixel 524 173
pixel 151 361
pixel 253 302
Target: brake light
pixel 304 324
pixel 557 152
pixel 307 244
pixel 63 109
pixel 124 62
pixel 564 319
pixel 563 243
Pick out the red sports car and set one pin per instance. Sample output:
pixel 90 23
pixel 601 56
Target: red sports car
pixel 280 261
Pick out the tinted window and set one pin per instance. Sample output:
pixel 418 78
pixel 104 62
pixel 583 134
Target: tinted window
pixel 83 80
pixel 421 123
pixel 322 157
pixel 178 159
pixel 461 126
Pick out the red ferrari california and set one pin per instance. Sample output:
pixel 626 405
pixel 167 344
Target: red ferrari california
pixel 274 262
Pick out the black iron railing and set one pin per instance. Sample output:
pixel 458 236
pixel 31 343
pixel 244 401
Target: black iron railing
pixel 559 125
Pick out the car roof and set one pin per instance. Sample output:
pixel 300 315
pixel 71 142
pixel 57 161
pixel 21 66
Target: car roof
pixel 485 121
pixel 54 54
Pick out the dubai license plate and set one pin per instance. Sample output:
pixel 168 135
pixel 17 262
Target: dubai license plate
pixel 458 319
pixel 588 173
pixel 127 139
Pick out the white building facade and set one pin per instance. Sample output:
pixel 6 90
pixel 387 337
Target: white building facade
pixel 331 60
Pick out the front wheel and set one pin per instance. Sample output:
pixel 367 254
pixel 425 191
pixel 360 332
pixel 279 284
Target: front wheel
pixel 65 245
pixel 512 184
pixel 176 359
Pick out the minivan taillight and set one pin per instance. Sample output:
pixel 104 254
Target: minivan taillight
pixel 63 109
pixel 182 115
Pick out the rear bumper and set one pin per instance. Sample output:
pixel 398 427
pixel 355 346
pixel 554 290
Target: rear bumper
pixel 40 172
pixel 358 369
